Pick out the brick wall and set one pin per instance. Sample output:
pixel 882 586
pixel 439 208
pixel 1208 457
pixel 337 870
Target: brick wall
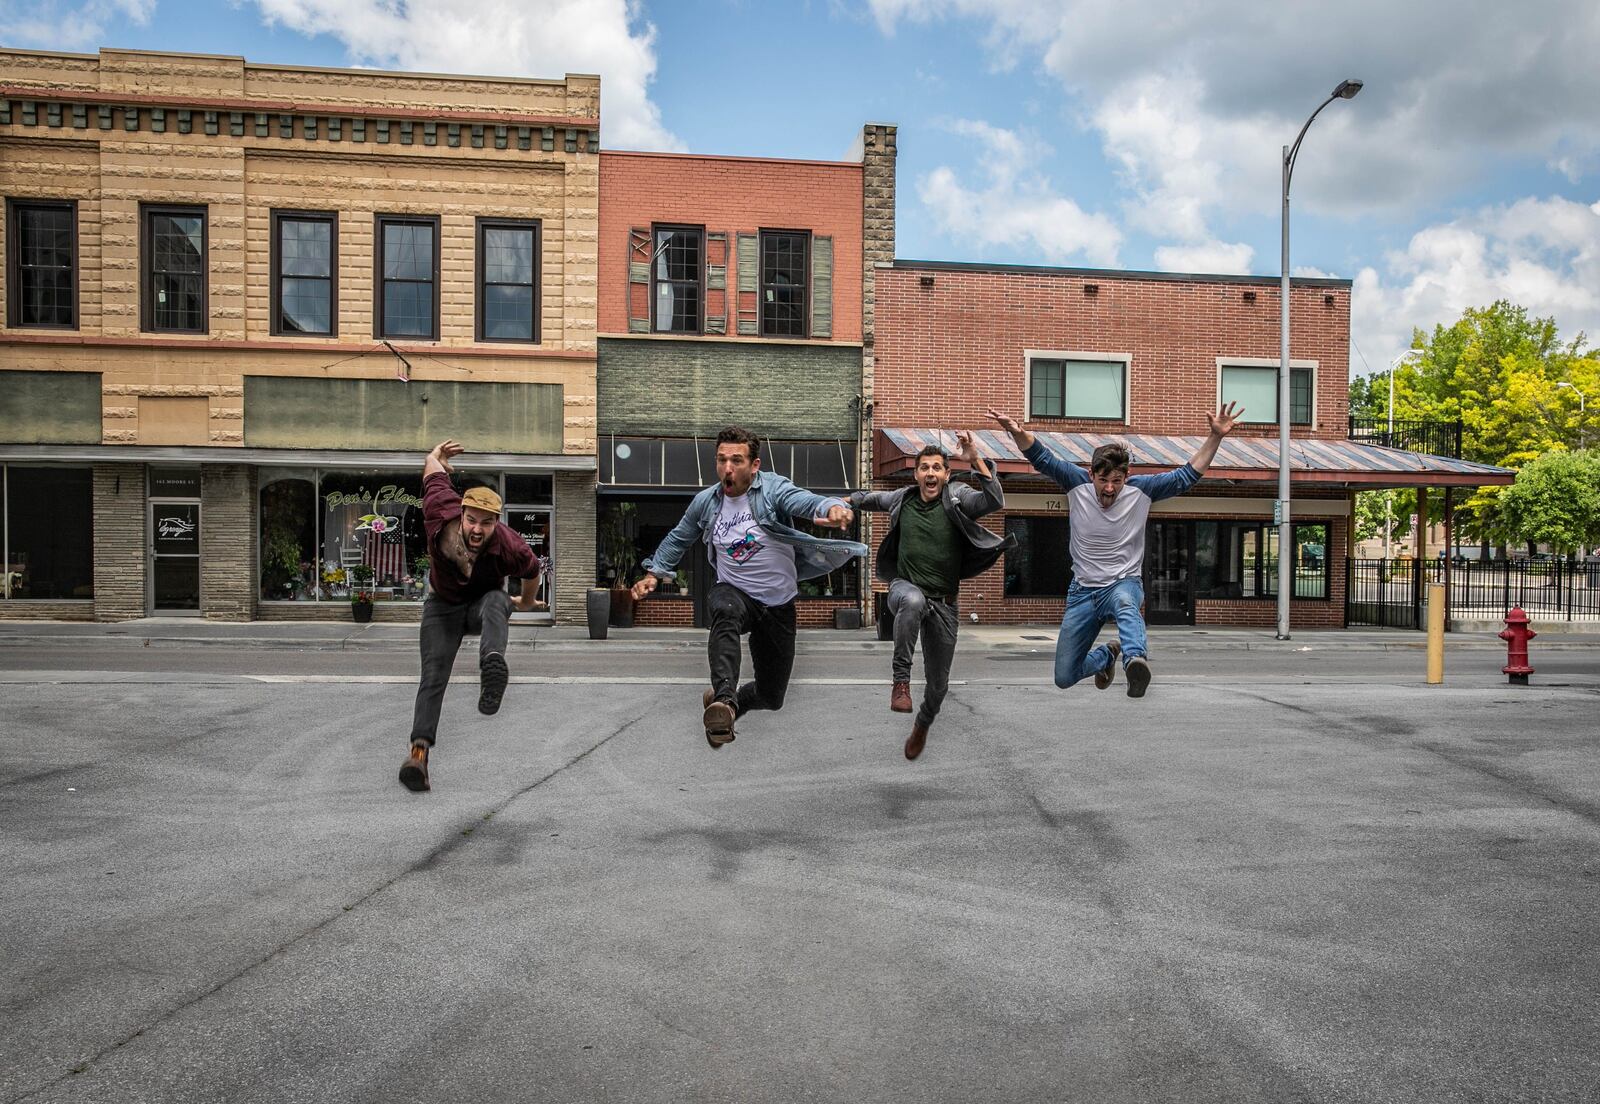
pixel 684 388
pixel 228 560
pixel 946 352
pixel 669 612
pixel 574 545
pixel 119 542
pixel 730 195
pixel 879 152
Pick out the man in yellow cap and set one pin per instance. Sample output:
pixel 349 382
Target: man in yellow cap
pixel 471 553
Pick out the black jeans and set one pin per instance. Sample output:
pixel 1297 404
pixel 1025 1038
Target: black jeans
pixel 771 629
pixel 937 621
pixel 443 626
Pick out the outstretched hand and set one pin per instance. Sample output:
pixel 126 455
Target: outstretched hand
pixel 1226 417
pixel 1007 422
pixel 837 517
pixel 646 585
pixel 446 451
pixel 965 447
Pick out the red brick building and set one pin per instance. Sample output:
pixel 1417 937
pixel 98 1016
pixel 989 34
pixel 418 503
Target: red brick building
pixel 1082 356
pixel 731 290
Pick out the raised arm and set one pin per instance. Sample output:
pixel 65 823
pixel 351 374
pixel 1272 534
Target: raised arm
pixel 1222 423
pixel 992 497
pixel 1022 437
pixel 439 459
pixel 1045 462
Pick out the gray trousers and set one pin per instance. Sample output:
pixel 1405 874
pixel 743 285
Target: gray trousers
pixel 914 612
pixel 443 626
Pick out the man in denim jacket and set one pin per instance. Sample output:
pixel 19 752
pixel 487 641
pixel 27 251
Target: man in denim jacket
pixel 759 557
pixel 1107 512
pixel 934 541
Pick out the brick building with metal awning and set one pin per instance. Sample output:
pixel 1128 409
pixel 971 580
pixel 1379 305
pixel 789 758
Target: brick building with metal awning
pixel 1210 554
pixel 1085 356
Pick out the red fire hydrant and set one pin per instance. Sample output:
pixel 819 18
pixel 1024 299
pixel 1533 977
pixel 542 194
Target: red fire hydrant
pixel 1516 634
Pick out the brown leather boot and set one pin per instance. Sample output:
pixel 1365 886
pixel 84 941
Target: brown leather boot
pixel 414 771
pixel 917 740
pixel 718 718
pixel 900 698
pixel 1103 678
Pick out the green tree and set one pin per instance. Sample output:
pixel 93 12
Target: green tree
pixel 1555 501
pixel 1497 370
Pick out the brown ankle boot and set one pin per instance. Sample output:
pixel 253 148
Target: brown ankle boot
pixel 900 698
pixel 1104 677
pixel 414 771
pixel 917 740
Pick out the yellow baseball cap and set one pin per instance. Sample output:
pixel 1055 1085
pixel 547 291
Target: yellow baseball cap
pixel 482 498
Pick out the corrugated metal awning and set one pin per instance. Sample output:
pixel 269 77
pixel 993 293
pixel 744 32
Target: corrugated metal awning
pixel 1240 459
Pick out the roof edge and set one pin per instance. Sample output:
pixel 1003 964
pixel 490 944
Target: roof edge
pixel 1120 273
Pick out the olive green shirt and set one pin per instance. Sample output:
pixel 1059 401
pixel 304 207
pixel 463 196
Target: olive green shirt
pixel 930 547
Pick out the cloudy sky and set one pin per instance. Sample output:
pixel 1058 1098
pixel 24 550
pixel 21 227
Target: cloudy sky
pixel 1137 134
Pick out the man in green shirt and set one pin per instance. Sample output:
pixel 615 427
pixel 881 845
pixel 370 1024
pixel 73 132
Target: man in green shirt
pixel 934 541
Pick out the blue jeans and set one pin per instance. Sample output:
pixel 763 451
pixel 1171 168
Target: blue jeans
pixel 1089 608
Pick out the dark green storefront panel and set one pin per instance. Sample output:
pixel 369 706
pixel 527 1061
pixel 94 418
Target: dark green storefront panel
pixel 296 412
pixel 692 388
pixel 50 408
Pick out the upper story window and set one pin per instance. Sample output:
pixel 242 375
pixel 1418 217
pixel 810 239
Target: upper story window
pixel 408 277
pixel 677 273
pixel 1066 385
pixel 42 263
pixel 785 263
pixel 305 293
pixel 508 280
pixel 174 269
pixel 1254 386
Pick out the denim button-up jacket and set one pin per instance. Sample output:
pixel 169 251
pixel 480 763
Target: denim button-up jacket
pixel 774 502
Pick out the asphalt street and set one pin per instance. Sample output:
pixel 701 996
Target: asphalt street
pixel 1291 874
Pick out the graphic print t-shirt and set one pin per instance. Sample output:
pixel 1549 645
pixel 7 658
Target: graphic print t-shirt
pixel 749 559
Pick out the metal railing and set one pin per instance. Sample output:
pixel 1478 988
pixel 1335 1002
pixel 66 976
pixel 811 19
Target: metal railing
pixel 1430 437
pixel 1391 593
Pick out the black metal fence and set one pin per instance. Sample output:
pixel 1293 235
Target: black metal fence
pixel 1391 594
pixel 1433 438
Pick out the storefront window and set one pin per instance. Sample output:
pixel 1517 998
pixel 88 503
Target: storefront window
pixel 372 535
pixel 48 527
pixel 288 540
pixel 1039 565
pixel 1239 559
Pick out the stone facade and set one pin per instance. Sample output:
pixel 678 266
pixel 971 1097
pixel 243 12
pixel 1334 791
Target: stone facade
pixel 120 561
pixel 114 133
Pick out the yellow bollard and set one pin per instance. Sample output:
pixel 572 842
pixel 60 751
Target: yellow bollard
pixel 1435 633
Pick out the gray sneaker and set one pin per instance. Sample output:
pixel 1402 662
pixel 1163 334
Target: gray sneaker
pixel 1105 676
pixel 1138 676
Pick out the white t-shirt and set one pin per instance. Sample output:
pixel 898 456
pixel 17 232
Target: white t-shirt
pixel 749 559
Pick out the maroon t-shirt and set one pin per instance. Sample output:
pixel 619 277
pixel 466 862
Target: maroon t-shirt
pixel 505 555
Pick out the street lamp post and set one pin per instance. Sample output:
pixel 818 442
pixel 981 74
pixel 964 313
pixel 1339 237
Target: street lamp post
pixel 1388 495
pixel 1346 90
pixel 1578 393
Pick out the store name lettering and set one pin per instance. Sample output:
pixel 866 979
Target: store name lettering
pixel 385 495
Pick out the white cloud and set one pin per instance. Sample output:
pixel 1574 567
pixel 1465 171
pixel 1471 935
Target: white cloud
pixel 1542 254
pixel 1212 256
pixel 522 38
pixel 1014 207
pixel 70 27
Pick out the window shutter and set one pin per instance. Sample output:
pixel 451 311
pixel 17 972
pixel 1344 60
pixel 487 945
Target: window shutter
pixel 639 249
pixel 749 284
pixel 716 305
pixel 821 287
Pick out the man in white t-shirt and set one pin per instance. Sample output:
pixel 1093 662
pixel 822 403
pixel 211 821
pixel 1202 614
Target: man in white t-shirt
pixel 1106 513
pixel 745 520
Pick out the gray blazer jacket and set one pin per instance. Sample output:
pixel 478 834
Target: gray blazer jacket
pixel 963 504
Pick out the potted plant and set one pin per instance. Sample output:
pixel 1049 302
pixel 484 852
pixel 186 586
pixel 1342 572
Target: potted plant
pixel 361 592
pixel 617 548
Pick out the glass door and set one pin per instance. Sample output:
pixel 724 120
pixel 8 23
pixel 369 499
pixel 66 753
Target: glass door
pixel 533 523
pixel 174 556
pixel 1168 578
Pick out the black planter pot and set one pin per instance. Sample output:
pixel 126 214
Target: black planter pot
pixel 597 606
pixel 361 611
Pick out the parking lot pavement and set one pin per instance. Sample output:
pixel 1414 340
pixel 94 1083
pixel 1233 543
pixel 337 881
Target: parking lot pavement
pixel 1276 879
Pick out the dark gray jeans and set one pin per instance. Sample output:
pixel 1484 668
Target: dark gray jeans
pixel 443 626
pixel 914 612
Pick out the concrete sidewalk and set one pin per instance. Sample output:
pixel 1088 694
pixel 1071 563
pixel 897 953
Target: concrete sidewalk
pixel 185 632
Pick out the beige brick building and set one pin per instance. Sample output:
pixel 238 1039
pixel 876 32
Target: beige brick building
pixel 242 300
